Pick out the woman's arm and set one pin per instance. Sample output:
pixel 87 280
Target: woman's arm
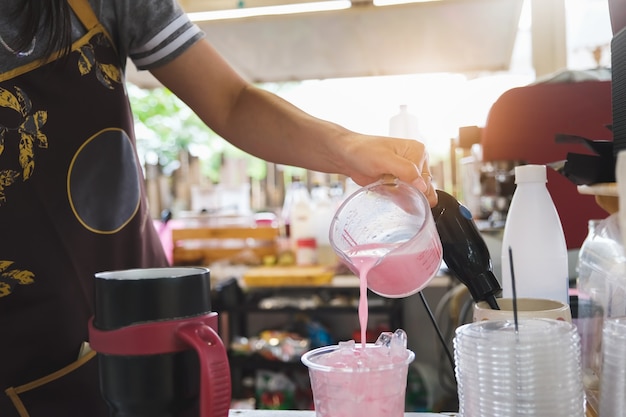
pixel 270 128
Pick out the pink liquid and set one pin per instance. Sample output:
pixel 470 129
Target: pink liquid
pixel 365 264
pixel 397 275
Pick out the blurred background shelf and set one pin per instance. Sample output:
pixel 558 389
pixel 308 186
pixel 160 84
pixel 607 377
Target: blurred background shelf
pixel 313 316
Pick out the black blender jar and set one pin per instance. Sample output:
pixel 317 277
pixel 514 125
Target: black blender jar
pixel 158 348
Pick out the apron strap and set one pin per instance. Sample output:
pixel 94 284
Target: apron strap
pixel 85 13
pixel 14 392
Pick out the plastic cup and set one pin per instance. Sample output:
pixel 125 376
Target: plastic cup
pixel 613 375
pixel 374 387
pixel 386 232
pixel 532 371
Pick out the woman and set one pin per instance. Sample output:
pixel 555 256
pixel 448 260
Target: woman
pixel 72 201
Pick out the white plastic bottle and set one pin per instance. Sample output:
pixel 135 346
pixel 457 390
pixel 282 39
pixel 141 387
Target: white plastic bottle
pixel 534 233
pixel 300 213
pixel 323 210
pixel 404 124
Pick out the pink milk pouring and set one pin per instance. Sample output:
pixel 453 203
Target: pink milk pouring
pixel 363 307
pixel 384 233
pixel 395 274
pixel 400 275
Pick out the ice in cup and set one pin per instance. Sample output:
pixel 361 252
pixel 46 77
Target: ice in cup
pixel 349 380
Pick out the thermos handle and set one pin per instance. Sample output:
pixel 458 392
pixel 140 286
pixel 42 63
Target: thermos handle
pixel 215 383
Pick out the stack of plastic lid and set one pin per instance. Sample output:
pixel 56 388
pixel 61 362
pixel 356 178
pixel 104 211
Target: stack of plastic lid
pixel 533 370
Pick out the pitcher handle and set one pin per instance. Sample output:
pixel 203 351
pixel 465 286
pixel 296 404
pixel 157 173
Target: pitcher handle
pixel 215 383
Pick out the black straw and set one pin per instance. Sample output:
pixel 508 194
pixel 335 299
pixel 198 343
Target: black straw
pixel 438 330
pixel 513 288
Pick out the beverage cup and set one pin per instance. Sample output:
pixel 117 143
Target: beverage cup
pixel 385 233
pixel 539 308
pixel 532 369
pixel 376 388
pixel 613 372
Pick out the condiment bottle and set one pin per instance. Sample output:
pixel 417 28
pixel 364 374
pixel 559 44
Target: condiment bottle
pixel 297 212
pixel 306 251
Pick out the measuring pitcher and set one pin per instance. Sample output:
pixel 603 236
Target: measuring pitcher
pixel 385 232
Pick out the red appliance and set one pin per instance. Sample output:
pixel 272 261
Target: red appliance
pixel 522 125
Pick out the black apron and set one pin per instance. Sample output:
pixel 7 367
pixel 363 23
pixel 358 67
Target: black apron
pixel 72 203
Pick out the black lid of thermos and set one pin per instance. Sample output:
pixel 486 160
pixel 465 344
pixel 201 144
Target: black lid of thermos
pixel 124 298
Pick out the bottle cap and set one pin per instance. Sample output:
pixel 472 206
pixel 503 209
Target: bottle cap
pixel 307 242
pixel 530 173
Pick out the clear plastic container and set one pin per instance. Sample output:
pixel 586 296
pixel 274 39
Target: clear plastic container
pixel 601 294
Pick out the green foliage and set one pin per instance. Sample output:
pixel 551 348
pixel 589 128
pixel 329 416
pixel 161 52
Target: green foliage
pixel 165 126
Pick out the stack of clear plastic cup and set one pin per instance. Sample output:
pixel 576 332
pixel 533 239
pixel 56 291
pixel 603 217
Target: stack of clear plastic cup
pixel 534 371
pixel 613 376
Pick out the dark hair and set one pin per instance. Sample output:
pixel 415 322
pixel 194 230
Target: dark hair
pixel 51 14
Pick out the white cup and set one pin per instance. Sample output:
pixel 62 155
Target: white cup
pixel 526 308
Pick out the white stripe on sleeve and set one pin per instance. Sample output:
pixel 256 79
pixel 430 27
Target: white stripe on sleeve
pixel 168 49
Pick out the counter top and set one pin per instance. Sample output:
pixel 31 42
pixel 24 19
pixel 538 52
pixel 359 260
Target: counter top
pixel 292 413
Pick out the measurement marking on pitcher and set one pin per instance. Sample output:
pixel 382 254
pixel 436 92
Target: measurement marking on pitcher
pixel 346 236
